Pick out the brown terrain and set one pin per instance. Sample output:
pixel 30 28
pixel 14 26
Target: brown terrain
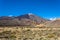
pixel 23 20
pixel 29 27
pixel 54 23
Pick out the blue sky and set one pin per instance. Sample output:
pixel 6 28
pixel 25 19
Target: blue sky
pixel 43 8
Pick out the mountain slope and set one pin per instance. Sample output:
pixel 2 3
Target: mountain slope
pixel 22 20
pixel 54 23
pixel 32 17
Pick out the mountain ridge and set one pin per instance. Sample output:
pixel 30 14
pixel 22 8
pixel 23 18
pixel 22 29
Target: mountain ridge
pixel 26 19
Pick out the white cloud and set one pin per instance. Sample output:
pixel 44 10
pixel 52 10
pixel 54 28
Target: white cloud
pixel 53 18
pixel 30 13
pixel 10 15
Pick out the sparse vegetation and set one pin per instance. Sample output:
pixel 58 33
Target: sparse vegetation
pixel 29 34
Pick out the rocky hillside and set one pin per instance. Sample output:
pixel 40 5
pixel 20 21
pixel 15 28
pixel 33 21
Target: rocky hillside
pixel 22 20
pixel 32 17
pixel 54 23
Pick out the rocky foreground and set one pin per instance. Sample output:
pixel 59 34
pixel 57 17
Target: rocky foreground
pixel 24 33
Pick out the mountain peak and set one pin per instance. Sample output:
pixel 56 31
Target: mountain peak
pixel 30 14
pixel 32 17
pixel 26 19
